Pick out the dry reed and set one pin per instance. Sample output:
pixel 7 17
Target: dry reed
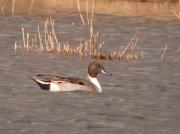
pixel 178 50
pixel 79 8
pixel 176 14
pixel 45 41
pixel 178 17
pixel 164 51
pixel 13 6
pixel 31 6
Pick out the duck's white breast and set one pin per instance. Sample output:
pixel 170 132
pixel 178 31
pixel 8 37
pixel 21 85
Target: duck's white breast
pixel 56 87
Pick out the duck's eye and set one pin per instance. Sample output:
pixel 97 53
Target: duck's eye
pixel 81 83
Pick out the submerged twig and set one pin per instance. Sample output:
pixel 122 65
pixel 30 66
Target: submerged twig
pixel 178 50
pixel 162 56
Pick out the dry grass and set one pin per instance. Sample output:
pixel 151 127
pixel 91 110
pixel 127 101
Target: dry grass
pixel 45 41
pixel 116 7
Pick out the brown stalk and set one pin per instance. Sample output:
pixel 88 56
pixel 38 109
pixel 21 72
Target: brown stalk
pixel 40 39
pixel 178 50
pixel 177 15
pixel 129 44
pixel 2 9
pixel 15 46
pixel 87 11
pixel 53 31
pixel 13 6
pixel 92 13
pixel 27 41
pixel 23 34
pixel 32 44
pixel 162 56
pixel 31 7
pixel 134 43
pixel 45 32
pixel 79 8
pixel 142 55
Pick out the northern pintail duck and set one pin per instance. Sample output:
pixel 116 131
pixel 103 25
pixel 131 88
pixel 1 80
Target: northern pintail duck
pixel 59 83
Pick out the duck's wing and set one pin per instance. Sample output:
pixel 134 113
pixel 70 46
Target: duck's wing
pixel 48 78
pixel 59 79
pixel 45 80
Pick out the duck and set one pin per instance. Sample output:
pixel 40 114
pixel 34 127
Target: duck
pixel 54 83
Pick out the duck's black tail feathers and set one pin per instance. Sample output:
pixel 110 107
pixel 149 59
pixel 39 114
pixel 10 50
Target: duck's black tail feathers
pixel 43 85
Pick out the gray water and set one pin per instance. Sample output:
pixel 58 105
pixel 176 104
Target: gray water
pixel 142 96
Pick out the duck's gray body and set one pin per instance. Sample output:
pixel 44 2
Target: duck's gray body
pixel 60 83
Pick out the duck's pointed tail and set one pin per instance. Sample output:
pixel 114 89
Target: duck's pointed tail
pixel 43 85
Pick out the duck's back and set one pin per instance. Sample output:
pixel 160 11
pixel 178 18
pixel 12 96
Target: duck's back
pixel 60 83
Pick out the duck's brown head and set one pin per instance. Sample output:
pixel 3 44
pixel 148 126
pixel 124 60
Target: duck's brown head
pixel 95 68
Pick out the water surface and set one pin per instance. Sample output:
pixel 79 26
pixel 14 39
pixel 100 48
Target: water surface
pixel 142 96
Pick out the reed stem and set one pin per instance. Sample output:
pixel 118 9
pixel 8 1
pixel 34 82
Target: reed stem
pixel 87 11
pixel 164 51
pixel 79 8
pixel 31 7
pixel 178 50
pixel 53 31
pixel 23 34
pixel 13 6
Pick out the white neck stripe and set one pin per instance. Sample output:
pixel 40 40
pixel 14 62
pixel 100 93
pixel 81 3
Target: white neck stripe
pixel 96 83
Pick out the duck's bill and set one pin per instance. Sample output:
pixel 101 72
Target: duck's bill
pixel 105 72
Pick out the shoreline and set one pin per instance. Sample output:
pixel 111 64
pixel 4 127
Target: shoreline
pixel 147 8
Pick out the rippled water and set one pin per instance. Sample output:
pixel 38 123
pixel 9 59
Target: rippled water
pixel 142 96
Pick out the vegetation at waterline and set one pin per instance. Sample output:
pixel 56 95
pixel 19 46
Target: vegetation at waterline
pixel 149 8
pixel 45 41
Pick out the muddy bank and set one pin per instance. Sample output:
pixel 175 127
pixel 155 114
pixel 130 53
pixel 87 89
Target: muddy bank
pixel 144 8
